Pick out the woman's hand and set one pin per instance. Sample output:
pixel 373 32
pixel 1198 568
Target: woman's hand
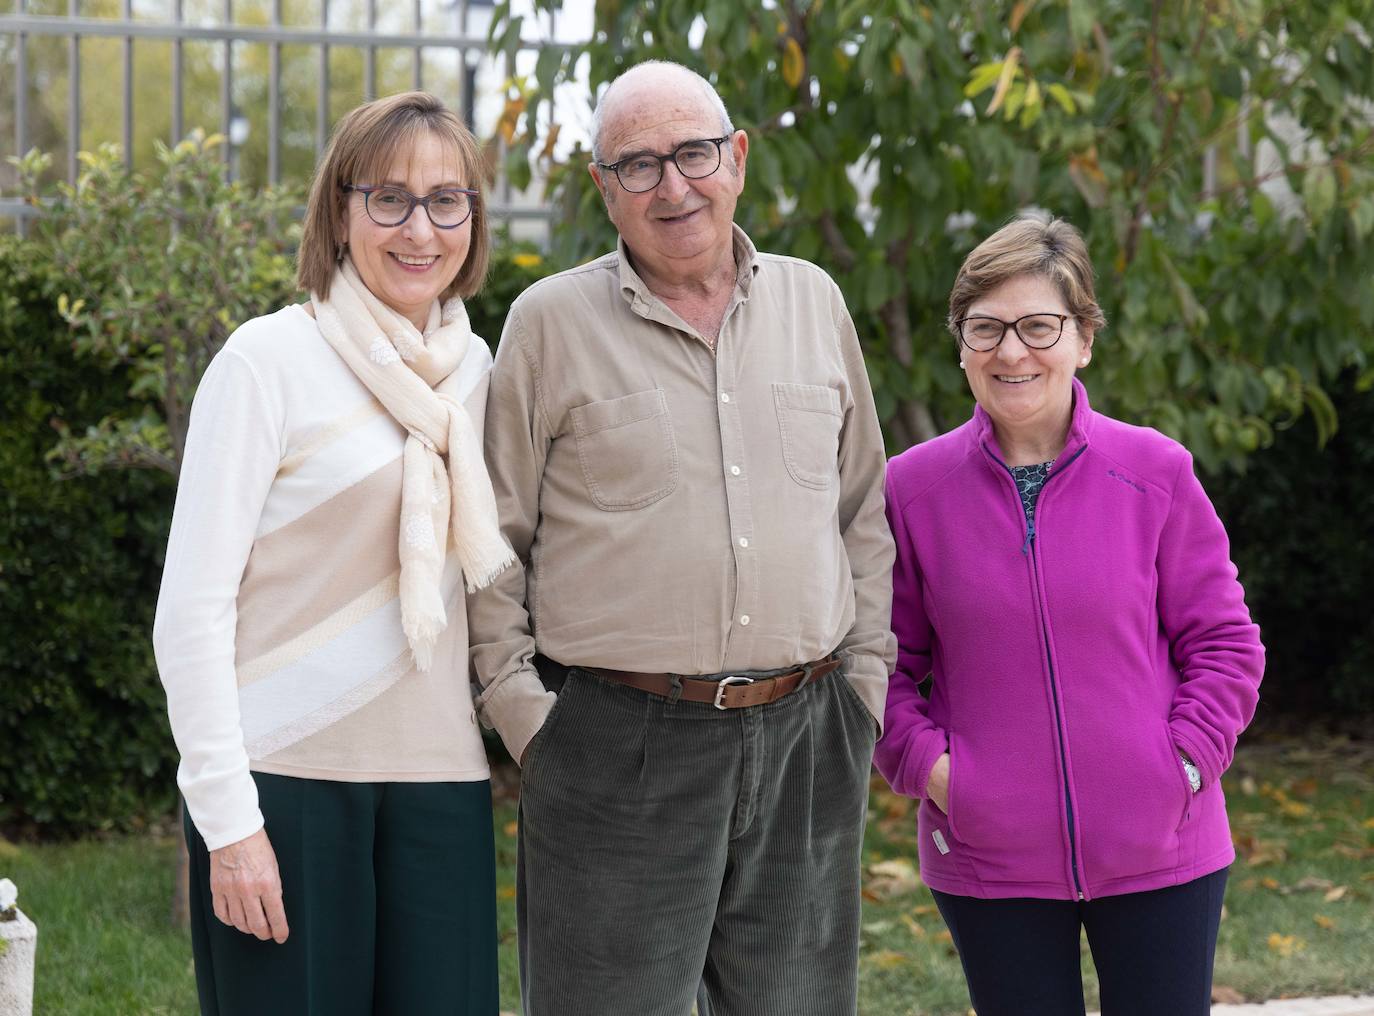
pixel 246 888
pixel 937 784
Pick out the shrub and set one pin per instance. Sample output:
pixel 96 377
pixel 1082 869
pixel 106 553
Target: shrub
pixel 83 733
pixel 1300 527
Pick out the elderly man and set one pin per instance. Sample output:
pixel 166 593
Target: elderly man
pixel 687 461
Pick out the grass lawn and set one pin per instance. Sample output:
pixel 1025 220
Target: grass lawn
pixel 1298 918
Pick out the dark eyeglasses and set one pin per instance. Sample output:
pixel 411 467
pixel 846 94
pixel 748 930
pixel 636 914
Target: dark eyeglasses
pixel 642 172
pixel 391 206
pixel 1038 331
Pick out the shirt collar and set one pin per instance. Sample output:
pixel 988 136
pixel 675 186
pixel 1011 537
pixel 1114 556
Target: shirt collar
pixel 638 295
pixel 1079 426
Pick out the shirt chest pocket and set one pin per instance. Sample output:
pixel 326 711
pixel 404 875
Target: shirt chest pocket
pixel 626 449
pixel 809 419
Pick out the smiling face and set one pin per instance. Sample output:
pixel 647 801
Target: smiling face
pixel 408 266
pixel 1027 392
pixel 681 230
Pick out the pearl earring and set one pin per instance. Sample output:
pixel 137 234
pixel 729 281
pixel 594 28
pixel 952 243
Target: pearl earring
pixel 961 364
pixel 1083 362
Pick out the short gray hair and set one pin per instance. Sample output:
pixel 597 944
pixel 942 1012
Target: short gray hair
pixel 648 67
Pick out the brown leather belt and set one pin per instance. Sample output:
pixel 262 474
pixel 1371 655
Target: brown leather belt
pixel 734 691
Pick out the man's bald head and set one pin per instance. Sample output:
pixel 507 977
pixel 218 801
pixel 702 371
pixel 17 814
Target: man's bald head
pixel 643 81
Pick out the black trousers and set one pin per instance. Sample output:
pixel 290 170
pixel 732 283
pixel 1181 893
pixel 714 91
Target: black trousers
pixel 1153 950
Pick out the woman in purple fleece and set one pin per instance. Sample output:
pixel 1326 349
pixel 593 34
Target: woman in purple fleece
pixel 1066 584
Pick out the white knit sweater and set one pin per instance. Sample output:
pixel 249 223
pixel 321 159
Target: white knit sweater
pixel 278 633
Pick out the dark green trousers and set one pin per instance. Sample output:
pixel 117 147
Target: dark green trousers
pixel 390 895
pixel 672 852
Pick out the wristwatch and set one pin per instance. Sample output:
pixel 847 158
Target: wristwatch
pixel 1194 777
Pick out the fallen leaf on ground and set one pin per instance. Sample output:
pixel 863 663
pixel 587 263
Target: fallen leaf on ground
pixel 1333 895
pixel 888 959
pixel 506 892
pixel 889 879
pixel 1322 921
pixel 1269 883
pixel 1222 995
pixel 916 930
pixel 1368 823
pixel 1248 786
pixel 1285 945
pixel 1309 883
pixel 511 828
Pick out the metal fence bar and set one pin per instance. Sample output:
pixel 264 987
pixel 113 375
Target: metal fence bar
pixel 291 35
pixel 274 102
pixel 178 72
pixel 226 87
pixel 73 95
pixel 370 57
pixel 21 96
pixel 417 75
pixel 128 118
pixel 322 105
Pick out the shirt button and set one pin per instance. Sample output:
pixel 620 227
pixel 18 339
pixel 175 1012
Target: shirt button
pixel 744 541
pixel 724 396
pixel 744 619
pixel 734 470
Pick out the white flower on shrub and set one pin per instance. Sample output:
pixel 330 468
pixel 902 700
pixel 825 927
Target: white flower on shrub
pixel 9 896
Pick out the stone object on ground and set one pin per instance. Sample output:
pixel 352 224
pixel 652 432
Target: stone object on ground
pixel 18 938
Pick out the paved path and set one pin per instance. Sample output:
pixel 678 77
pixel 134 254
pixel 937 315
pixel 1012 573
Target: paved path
pixel 1343 1005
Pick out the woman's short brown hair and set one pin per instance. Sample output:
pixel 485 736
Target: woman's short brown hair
pixel 362 149
pixel 1033 244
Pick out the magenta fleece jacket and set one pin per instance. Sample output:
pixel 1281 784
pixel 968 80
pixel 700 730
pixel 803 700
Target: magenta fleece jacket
pixel 1068 671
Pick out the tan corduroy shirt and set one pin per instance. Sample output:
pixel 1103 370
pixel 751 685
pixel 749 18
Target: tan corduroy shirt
pixel 676 509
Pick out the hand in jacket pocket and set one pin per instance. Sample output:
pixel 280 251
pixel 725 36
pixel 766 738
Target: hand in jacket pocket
pixel 937 784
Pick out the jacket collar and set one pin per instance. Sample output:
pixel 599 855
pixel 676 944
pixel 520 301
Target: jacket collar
pixel 1080 425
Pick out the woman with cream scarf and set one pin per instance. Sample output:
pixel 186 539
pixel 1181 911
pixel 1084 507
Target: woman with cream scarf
pixel 311 632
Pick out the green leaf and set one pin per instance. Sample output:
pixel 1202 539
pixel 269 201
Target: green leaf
pixel 1061 95
pixel 1319 191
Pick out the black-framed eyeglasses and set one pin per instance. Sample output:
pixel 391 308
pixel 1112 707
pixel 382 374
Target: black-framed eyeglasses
pixel 642 171
pixel 448 208
pixel 1038 331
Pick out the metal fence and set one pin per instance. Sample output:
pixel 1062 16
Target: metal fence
pixel 457 36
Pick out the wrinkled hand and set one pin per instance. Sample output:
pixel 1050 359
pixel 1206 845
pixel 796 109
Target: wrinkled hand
pixel 937 784
pixel 246 887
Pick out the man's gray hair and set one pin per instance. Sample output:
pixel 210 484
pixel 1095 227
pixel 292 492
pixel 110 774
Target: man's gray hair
pixel 656 66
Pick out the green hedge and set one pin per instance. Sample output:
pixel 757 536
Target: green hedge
pixel 83 735
pixel 1301 523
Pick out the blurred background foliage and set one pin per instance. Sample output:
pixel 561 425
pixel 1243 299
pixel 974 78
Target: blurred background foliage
pixel 1218 156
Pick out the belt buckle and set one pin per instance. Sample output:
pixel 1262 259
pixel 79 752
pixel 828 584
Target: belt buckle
pixel 724 682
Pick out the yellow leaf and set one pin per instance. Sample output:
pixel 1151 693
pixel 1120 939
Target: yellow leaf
pixel 1018 14
pixel 1368 823
pixel 916 930
pixel 506 892
pixel 511 828
pixel 524 260
pixel 1285 945
pixel 793 65
pixel 887 959
pixel 1269 883
pixel 1322 921
pixel 550 141
pixel 1004 80
pixel 895 62
pixel 1295 809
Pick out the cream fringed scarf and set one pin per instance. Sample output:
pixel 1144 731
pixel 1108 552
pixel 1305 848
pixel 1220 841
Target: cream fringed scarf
pixel 445 491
